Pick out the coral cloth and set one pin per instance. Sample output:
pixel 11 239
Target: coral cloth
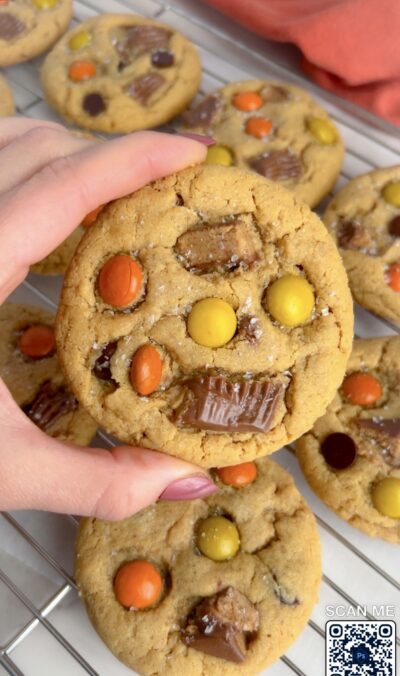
pixel 350 47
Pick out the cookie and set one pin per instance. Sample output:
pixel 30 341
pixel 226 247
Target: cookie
pixel 364 220
pixel 29 27
pixel 30 369
pixel 120 73
pixel 232 578
pixel 351 457
pixel 207 315
pixel 277 130
pixel 7 106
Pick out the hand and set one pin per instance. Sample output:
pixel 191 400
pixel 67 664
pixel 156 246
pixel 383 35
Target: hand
pixel 49 181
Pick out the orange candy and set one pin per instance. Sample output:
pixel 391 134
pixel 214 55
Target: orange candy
pixel 137 584
pixel 120 280
pixel 146 370
pixel 361 388
pixel 238 475
pixel 393 276
pixel 247 101
pixel 258 126
pixel 92 215
pixel 81 70
pixel 37 341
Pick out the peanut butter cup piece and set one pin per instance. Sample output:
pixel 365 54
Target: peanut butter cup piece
pixel 278 165
pixel 144 86
pixel 50 403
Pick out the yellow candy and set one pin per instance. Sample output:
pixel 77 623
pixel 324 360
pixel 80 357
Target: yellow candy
pixel 322 130
pixel 391 193
pixel 79 40
pixel 386 497
pixel 218 538
pixel 212 322
pixel 45 4
pixel 290 300
pixel 219 155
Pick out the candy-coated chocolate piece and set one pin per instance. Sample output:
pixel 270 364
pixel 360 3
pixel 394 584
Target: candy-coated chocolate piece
pixel 218 538
pixel 322 130
pixel 258 126
pixel 290 300
pixel 391 193
pixel 137 584
pixel 92 215
pixel 212 322
pixel 94 104
pixel 80 40
pixel 394 226
pixel 37 341
pixel 247 101
pixel 4 2
pixel 386 497
pixel 361 388
pixel 339 450
pixel 120 280
pixel 45 4
pixel 238 475
pixel 81 70
pixel 219 155
pixel 393 276
pixel 146 370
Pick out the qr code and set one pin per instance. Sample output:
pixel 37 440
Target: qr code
pixel 355 648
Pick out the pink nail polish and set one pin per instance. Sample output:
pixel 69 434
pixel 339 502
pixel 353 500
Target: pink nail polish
pixel 205 140
pixel 189 488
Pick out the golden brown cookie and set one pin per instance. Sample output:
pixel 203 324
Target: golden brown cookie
pixel 364 220
pixel 7 106
pixel 206 315
pixel 351 457
pixel 29 27
pixel 30 369
pixel 121 72
pixel 275 129
pixel 203 612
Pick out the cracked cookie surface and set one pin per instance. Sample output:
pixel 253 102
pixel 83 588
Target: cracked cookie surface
pixel 277 569
pixel 120 73
pixel 366 415
pixel 274 129
pixel 230 381
pixel 362 220
pixel 7 106
pixel 36 382
pixel 29 27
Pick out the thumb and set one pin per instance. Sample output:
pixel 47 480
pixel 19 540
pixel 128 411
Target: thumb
pixel 39 472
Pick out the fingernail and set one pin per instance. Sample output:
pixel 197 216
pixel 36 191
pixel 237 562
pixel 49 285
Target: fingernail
pixel 205 140
pixel 189 488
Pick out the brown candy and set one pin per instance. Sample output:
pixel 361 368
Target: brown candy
pixel 130 41
pixel 274 94
pixel 221 625
pixel 394 227
pixel 220 247
pixel 339 450
pixel 353 235
pixel 102 365
pixel 386 433
pixel 50 403
pixel 249 329
pixel 143 87
pixel 10 26
pixel 277 165
pixel 94 104
pixel 203 114
pixel 162 58
pixel 283 595
pixel 215 403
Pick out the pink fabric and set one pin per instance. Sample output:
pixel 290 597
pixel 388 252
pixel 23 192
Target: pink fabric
pixel 350 47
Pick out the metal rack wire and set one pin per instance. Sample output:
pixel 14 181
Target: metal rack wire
pixel 355 567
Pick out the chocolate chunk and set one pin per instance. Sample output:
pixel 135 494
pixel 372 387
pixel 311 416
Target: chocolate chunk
pixel 385 432
pixel 102 365
pixel 278 165
pixel 353 235
pixel 10 26
pixel 131 41
pixel 162 58
pixel 339 450
pixel 283 595
pixel 219 247
pixel 93 104
pixel 143 87
pixel 394 227
pixel 203 114
pixel 222 625
pixel 215 403
pixel 249 329
pixel 274 94
pixel 50 403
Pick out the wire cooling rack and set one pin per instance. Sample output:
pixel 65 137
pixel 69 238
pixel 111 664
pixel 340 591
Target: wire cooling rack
pixel 43 627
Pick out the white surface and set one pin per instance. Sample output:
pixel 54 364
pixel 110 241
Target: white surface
pixel 357 569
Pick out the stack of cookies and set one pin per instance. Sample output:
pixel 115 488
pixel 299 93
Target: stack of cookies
pixel 209 316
